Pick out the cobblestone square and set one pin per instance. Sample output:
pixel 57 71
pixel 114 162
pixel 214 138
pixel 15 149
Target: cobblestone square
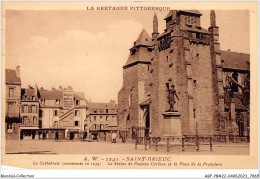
pixel 50 147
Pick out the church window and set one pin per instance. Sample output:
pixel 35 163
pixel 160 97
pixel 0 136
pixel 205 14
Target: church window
pixel 195 83
pixel 167 59
pixel 148 67
pixel 234 86
pixel 194 113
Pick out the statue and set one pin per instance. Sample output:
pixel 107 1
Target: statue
pixel 171 97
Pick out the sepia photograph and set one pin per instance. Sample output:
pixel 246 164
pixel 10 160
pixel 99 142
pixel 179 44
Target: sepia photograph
pixel 134 85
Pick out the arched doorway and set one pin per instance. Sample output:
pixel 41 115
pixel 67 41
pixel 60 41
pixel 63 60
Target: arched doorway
pixel 147 122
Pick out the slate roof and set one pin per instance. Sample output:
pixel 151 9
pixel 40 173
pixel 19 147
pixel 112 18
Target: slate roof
pixel 238 104
pixel 93 105
pixel 195 12
pixel 191 12
pixel 141 54
pixel 11 78
pixel 27 92
pixel 235 60
pixel 143 39
pixel 79 95
pixel 50 95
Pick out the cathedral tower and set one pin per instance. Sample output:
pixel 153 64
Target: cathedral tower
pixel 135 84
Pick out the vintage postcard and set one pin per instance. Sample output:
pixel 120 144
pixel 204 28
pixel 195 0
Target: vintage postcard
pixel 129 85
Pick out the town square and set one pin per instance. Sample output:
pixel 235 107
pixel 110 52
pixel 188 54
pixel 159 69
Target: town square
pixel 176 90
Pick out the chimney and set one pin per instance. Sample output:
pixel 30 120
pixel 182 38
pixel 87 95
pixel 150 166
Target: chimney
pixel 70 88
pixel 36 90
pixel 229 50
pixel 18 71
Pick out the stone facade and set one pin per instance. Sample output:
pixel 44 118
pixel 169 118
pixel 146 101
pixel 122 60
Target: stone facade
pixel 63 111
pixel 12 102
pixel 187 56
pixel 101 120
pixel 29 113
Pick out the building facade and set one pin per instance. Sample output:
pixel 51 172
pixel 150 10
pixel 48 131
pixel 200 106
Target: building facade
pixel 101 120
pixel 33 113
pixel 62 114
pixel 29 113
pixel 12 102
pixel 189 57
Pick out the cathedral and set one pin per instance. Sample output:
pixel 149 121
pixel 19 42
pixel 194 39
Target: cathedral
pixel 211 86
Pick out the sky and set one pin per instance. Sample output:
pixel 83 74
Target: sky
pixel 87 49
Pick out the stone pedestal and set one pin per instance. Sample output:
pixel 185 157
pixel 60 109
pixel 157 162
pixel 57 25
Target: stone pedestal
pixel 172 124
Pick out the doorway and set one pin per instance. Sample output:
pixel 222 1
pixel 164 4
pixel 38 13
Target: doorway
pixel 44 135
pixel 21 135
pixel 147 122
pixel 72 135
pixel 56 135
pixel 33 134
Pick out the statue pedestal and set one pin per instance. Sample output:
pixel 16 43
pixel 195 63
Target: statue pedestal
pixel 172 124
